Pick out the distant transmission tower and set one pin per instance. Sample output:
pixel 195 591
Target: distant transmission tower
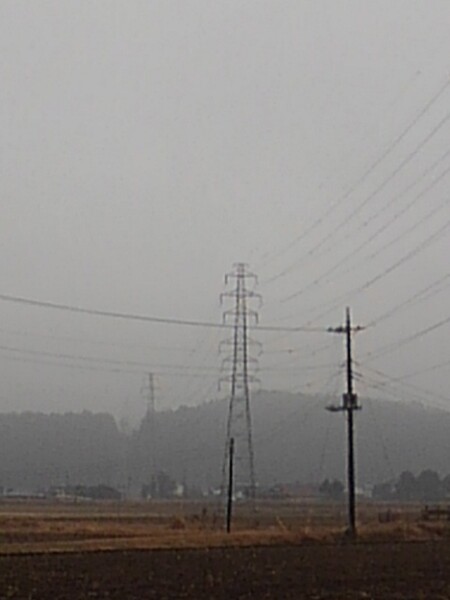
pixel 242 368
pixel 148 391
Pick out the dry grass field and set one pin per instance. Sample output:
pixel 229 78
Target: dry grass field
pixel 64 526
pixel 179 550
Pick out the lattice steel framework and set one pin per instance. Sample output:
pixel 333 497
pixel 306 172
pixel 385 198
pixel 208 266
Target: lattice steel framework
pixel 242 366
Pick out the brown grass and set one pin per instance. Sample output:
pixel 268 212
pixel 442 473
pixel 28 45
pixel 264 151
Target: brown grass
pixel 27 528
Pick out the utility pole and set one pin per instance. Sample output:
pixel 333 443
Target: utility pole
pixel 242 369
pixel 230 484
pixel 349 405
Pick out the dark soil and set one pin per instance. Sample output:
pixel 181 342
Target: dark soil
pixel 383 571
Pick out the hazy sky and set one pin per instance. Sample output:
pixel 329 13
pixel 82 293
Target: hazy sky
pixel 148 145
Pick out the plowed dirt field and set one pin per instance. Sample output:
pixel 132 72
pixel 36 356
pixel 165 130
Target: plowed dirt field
pixel 384 571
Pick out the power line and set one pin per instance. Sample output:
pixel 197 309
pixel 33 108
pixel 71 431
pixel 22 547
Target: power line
pixel 412 202
pixel 412 228
pixel 416 372
pixel 388 348
pixel 67 338
pixel 419 296
pixel 204 349
pixel 95 359
pixel 296 369
pixel 397 140
pixel 427 242
pixel 381 230
pixel 301 350
pixel 306 388
pixel 435 236
pixel 100 368
pixel 277 367
pixel 146 318
pixel 377 190
pixel 399 396
pixel 71 366
pixel 421 393
pixel 415 392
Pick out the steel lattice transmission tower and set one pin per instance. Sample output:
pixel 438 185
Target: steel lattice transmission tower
pixel 242 366
pixel 148 390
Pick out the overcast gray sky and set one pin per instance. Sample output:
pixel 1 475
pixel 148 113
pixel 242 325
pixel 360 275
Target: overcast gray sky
pixel 148 145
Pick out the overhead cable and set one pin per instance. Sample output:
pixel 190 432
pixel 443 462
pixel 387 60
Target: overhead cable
pixel 434 237
pixel 111 361
pixel 145 318
pixel 362 178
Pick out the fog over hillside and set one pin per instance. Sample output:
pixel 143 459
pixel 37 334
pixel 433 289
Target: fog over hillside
pixel 295 439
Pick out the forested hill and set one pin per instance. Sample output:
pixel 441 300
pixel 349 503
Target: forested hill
pixel 295 439
pixel 38 450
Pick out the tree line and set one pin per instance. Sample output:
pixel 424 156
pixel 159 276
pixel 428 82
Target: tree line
pixel 425 487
